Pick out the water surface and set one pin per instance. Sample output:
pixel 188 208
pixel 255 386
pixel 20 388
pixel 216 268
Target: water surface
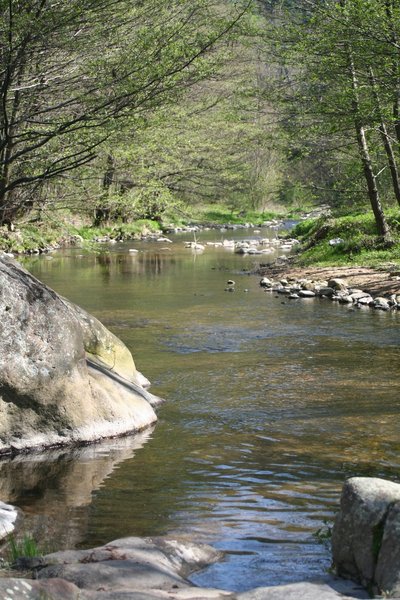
pixel 271 404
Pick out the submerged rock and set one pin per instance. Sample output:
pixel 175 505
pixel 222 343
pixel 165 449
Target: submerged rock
pixel 63 376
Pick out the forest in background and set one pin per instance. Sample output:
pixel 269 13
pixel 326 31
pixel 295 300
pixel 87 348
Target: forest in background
pixel 115 111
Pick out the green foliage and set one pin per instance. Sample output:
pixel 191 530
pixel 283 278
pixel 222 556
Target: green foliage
pixel 29 237
pixel 118 231
pixel 324 534
pixel 24 547
pixel 360 242
pixel 217 213
pixel 306 227
pixel 78 74
pixel 336 83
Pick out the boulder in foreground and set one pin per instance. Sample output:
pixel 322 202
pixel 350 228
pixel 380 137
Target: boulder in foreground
pixel 366 534
pixel 64 378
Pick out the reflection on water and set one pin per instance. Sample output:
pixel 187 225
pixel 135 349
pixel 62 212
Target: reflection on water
pixel 271 404
pixel 54 489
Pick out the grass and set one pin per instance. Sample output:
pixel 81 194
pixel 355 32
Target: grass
pixel 361 244
pixel 30 236
pixel 39 235
pixel 222 215
pixel 117 230
pixel 25 547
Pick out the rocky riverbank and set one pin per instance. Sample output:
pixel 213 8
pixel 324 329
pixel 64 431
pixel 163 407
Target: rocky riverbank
pixel 360 286
pixel 147 569
pixel 365 548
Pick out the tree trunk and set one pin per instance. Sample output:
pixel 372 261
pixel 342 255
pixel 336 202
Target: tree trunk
pixel 386 140
pixel 373 193
pixel 395 73
pixel 102 213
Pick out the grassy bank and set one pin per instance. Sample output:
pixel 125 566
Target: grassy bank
pixel 359 241
pixel 36 235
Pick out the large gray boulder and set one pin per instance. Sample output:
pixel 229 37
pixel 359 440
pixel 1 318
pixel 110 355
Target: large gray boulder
pixel 366 534
pixel 387 573
pixel 64 378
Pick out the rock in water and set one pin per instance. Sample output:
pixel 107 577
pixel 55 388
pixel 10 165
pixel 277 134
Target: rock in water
pixel 63 376
pixel 363 533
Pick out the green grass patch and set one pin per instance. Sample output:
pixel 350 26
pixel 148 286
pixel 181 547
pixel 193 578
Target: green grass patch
pixel 29 237
pixel 222 215
pixel 23 547
pixel 117 231
pixel 361 243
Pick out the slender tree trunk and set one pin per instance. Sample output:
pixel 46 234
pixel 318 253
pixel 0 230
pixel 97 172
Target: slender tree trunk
pixel 386 139
pixel 395 70
pixel 373 193
pixel 102 213
pixel 10 105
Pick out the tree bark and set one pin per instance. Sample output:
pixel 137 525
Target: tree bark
pixel 386 140
pixel 395 72
pixel 102 213
pixel 373 193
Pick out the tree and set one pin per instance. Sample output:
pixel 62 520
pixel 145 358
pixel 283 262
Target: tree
pixel 336 56
pixel 72 72
pixel 211 146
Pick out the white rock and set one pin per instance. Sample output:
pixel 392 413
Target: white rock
pixel 306 294
pixel 8 516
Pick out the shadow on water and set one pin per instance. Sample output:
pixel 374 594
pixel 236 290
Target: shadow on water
pixel 270 405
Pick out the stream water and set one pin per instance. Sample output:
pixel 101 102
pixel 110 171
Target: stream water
pixel 271 403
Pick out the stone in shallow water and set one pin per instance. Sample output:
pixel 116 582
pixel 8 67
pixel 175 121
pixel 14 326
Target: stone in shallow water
pixel 359 526
pixel 326 291
pixel 306 294
pixel 337 284
pixel 381 303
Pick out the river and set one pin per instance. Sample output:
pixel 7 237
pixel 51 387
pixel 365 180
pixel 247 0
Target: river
pixel 271 404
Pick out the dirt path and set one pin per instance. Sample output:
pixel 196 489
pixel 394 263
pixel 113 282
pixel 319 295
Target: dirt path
pixel 377 283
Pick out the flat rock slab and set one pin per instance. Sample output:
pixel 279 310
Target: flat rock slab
pixel 116 575
pixel 192 593
pixel 28 589
pixel 331 589
pixel 143 566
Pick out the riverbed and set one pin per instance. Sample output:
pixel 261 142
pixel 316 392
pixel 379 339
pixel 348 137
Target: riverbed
pixel 270 405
